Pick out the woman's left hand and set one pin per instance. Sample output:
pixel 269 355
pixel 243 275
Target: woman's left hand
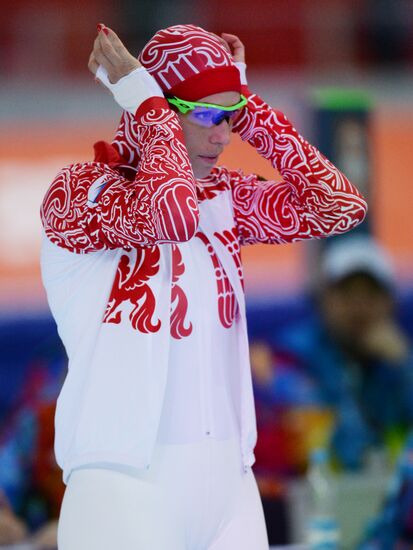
pixel 235 45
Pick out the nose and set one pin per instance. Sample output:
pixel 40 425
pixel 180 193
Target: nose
pixel 220 134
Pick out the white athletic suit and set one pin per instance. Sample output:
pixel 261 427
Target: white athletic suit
pixel 155 423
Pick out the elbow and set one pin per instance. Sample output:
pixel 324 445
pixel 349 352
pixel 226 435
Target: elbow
pixel 179 226
pixel 191 224
pixel 185 226
pixel 350 218
pixel 179 216
pixel 365 209
pixel 358 206
pixel 353 213
pixel 360 211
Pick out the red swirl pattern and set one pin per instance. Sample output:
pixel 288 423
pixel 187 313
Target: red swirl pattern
pixel 212 185
pixel 179 301
pixel 227 304
pixel 170 55
pixel 159 205
pixel 314 200
pixel 131 286
pixel 229 238
pixel 92 206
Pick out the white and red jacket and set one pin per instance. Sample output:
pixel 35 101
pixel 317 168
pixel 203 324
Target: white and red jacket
pixel 141 263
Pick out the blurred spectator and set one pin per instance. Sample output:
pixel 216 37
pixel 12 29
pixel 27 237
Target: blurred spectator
pixel 31 488
pixel 353 359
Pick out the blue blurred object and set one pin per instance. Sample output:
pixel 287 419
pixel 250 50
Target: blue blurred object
pixel 32 367
pixel 291 387
pixel 367 410
pixel 22 342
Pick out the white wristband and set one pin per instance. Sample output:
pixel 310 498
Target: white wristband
pixel 242 67
pixel 131 90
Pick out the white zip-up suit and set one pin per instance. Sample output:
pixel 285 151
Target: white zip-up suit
pixel 142 267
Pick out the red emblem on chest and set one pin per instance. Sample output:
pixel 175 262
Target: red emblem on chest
pixel 131 290
pixel 131 285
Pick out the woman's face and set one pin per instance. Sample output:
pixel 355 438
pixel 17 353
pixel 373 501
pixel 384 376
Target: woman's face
pixel 204 145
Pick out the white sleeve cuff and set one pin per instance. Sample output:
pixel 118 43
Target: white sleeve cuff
pixel 242 67
pixel 131 90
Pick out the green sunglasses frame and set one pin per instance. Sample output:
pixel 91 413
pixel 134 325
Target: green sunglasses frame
pixel 186 106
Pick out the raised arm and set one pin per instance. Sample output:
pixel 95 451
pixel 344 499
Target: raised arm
pixel 313 200
pixel 90 206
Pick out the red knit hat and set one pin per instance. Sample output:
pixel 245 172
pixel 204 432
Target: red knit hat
pixel 190 63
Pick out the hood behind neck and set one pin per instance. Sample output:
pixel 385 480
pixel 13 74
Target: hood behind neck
pixel 123 153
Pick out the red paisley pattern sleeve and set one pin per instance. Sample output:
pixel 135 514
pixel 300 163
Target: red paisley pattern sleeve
pixel 92 207
pixel 314 200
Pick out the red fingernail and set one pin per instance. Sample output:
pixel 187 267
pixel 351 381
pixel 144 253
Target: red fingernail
pixel 100 27
pixel 105 30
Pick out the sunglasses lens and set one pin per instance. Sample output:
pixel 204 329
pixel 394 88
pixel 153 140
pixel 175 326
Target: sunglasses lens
pixel 210 117
pixel 202 116
pixel 222 115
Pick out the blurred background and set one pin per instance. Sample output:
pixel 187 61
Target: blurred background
pixel 341 70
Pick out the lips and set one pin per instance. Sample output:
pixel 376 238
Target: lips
pixel 210 159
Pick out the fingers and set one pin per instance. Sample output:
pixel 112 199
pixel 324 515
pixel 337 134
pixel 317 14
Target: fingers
pixel 97 57
pixel 105 50
pixel 223 42
pixel 109 51
pixel 114 39
pixel 231 38
pixel 92 64
pixel 236 46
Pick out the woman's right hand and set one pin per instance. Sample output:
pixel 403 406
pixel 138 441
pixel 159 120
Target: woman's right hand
pixel 109 51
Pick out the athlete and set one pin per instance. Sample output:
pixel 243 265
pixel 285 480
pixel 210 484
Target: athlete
pixel 155 423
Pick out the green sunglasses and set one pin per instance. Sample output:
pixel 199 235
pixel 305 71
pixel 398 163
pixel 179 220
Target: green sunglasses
pixel 207 114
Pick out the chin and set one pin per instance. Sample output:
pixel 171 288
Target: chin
pixel 202 173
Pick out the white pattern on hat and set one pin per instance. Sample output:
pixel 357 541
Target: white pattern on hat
pixel 175 55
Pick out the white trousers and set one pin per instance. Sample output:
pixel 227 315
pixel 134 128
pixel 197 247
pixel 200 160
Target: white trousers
pixel 193 497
